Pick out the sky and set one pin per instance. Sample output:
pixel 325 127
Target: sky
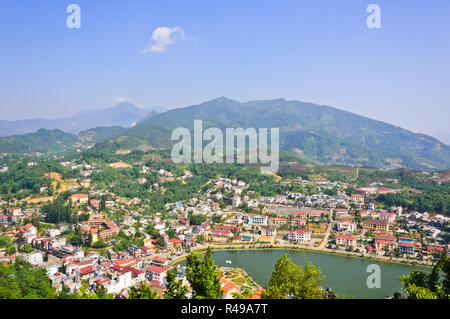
pixel 179 53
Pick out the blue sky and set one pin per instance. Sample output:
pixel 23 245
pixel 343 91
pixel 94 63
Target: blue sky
pixel 318 51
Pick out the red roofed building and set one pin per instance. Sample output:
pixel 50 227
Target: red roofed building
pixel 385 242
pixel 228 289
pixel 79 198
pixel 159 261
pixel 299 235
pixel 345 240
pixel 406 248
pixel 155 273
pixel 434 251
pixel 277 221
pixel 375 225
pixel 221 233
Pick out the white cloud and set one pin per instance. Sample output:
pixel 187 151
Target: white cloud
pixel 120 99
pixel 162 37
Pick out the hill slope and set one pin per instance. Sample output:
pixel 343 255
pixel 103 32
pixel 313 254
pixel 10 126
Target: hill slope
pixel 318 133
pixel 56 142
pixel 45 142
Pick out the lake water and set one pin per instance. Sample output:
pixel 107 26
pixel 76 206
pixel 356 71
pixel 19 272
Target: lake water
pixel 345 275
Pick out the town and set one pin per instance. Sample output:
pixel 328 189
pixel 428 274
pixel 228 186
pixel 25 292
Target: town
pixel 87 231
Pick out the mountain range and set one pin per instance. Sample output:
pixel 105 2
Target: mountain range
pixel 316 133
pixel 123 114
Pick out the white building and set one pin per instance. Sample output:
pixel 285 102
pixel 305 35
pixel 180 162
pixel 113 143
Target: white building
pixel 299 235
pixel 347 226
pixel 35 259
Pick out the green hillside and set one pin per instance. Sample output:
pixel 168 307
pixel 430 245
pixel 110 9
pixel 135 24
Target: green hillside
pixel 322 134
pixel 45 142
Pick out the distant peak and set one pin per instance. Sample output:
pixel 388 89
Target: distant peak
pixel 222 99
pixel 126 105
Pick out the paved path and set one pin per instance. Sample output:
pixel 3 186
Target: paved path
pixel 328 232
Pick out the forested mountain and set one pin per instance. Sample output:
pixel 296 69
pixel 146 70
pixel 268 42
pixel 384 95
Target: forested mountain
pixel 45 142
pixel 318 133
pixel 55 142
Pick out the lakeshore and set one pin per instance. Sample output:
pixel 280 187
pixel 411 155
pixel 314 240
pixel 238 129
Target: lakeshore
pixel 346 276
pixel 202 248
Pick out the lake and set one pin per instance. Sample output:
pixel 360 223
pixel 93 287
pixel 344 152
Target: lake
pixel 345 275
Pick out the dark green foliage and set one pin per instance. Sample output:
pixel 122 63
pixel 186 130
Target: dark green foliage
pixel 58 211
pixel 24 281
pixel 290 281
pixel 175 288
pixel 435 285
pixel 203 276
pixel 143 292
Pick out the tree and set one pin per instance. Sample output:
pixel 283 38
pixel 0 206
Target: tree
pixel 291 281
pixel 21 280
pixel 435 285
pixel 174 288
pixel 102 206
pixel 85 293
pixel 143 292
pixel 11 249
pixel 247 293
pixel 201 238
pixel 203 276
pixel 5 241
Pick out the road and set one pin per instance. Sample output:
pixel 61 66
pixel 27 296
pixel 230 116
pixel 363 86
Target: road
pixel 328 232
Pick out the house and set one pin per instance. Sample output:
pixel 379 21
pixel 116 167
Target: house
pixel 257 220
pixel 277 221
pixel 219 233
pixel 375 225
pixel 298 222
pixel 389 217
pixel 346 225
pixel 79 198
pixel 315 214
pixel 341 213
pixel 229 288
pixel 85 273
pixel 35 259
pixel 156 273
pixel 346 240
pixel 119 282
pixel 253 219
pixel 159 261
pixel 137 275
pixel 385 243
pixel 299 235
pixel 406 248
pixel 434 251
pixel 147 251
pixel 14 211
pixel 357 199
pixel 4 219
pixel 268 231
pixel 57 279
